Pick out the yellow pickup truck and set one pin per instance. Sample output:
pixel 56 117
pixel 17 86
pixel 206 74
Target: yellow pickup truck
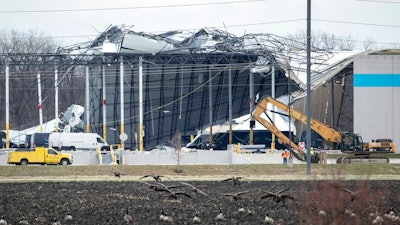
pixel 38 155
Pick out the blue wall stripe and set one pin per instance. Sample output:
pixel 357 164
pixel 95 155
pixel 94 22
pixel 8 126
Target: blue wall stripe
pixel 376 80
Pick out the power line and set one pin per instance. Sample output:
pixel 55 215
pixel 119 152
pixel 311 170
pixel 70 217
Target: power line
pixel 358 23
pixel 390 2
pixel 127 8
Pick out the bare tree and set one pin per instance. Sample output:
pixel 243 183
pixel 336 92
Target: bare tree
pixel 322 40
pixel 176 143
pixel 368 44
pixel 27 54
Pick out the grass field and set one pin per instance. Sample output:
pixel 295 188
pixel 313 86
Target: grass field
pixel 254 171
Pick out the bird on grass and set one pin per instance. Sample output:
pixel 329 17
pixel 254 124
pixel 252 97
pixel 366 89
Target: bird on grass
pixel 40 219
pixel 118 175
pixel 154 176
pixel 68 217
pixel 322 213
pixel 3 221
pixel 235 180
pixel 196 219
pixel 127 216
pixel 235 196
pixel 194 189
pixel 23 221
pixel 165 218
pixel 278 196
pixel 250 212
pixel 241 210
pixel 56 222
pixel 220 216
pixel 353 194
pixel 268 219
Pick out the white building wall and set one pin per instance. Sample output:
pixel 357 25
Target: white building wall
pixel 377 97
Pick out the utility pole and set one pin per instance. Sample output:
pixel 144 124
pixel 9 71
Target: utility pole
pixel 7 105
pixel 103 70
pixel 56 97
pixel 40 104
pixel 140 104
pixel 121 90
pixel 87 101
pixel 251 95
pixel 308 100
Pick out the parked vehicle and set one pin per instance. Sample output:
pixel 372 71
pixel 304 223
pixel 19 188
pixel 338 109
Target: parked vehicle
pixel 38 155
pixel 74 141
pixel 220 140
pixel 39 140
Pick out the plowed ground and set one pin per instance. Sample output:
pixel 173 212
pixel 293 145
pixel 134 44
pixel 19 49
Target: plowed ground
pixel 102 203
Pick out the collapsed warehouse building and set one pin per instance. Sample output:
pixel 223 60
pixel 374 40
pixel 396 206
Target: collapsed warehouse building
pixel 188 80
pixel 185 81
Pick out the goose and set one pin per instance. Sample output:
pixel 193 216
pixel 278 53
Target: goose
pixel 220 216
pixel 3 221
pixel 165 218
pixel 235 196
pixel 162 216
pixel 196 219
pixel 154 176
pixel 23 221
pixel 277 197
pixel 378 220
pixel 350 212
pixel 194 189
pixel 353 194
pixel 127 216
pixel 169 186
pixel 68 217
pixel 250 212
pixel 268 219
pixel 40 219
pixel 118 174
pixel 56 222
pixel 160 186
pixel 241 210
pixel 389 213
pixel 322 213
pixel 235 180
pixel 173 194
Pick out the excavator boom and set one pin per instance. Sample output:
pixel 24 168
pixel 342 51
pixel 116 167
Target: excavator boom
pixel 326 132
pixel 282 138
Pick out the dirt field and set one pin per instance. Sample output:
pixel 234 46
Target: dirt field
pixel 106 202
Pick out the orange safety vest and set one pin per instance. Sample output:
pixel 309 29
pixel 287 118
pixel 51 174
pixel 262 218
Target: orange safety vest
pixel 285 154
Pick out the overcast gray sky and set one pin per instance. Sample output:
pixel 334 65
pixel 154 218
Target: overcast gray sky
pixel 75 21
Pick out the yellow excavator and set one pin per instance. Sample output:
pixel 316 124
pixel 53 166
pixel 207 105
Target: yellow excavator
pixel 351 144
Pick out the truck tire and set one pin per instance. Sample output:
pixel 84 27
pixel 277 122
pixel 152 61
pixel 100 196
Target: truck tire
pixel 23 162
pixel 64 162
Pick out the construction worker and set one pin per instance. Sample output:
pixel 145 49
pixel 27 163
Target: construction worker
pixel 285 155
